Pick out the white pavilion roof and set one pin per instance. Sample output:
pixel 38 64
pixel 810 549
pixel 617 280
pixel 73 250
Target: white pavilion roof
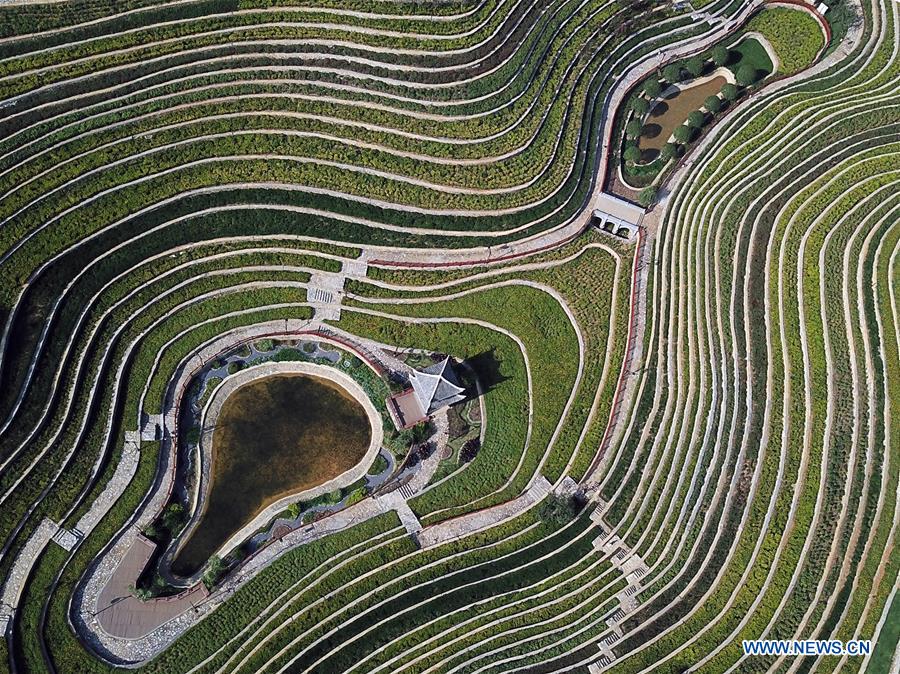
pixel 437 386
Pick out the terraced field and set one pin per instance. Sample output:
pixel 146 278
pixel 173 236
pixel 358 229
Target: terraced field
pixel 678 441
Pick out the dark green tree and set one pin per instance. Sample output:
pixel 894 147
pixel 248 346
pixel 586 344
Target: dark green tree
pixel 647 196
pixel 746 75
pixel 640 106
pixel 633 128
pixel 652 88
pixel 632 154
pixel 672 72
pixel 669 151
pixel 720 55
pixel 683 134
pixel 713 104
pixel 729 92
pixel 696 119
pixel 694 66
pixel 558 510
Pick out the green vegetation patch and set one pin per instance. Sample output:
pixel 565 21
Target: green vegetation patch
pixel 795 36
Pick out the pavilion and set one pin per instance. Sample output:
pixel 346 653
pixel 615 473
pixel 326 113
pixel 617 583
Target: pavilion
pixel 433 388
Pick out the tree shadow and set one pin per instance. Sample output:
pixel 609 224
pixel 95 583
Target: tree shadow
pixel 651 130
pixel 649 155
pixel 659 109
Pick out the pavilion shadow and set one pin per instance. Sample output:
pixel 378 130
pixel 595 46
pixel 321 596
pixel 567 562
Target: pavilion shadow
pixel 486 367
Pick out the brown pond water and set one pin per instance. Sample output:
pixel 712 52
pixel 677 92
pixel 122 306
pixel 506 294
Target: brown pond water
pixel 274 436
pixel 670 113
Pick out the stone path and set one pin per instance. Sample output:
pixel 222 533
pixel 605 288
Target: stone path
pixel 126 650
pixel 151 429
pixel 566 487
pixel 325 293
pixel 482 519
pixel 66 539
pixel 597 667
pixel 394 501
pixel 633 568
pixel 427 467
pixel 623 558
pixel 356 268
pixel 120 479
pixel 15 582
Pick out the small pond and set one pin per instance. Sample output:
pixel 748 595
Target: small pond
pixel 274 436
pixel 671 112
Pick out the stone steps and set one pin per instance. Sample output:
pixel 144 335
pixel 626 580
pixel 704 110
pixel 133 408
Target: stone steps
pixel 66 539
pixel 319 296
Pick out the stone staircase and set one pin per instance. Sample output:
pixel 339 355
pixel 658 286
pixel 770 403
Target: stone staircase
pixel 325 293
pixel 67 539
pixel 320 296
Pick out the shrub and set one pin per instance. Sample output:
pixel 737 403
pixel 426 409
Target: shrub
pixel 558 510
pixel 141 593
pixel 469 450
pixel 173 518
pixel 214 569
pixel 647 196
pixel 356 496
pixel 713 104
pixel 193 436
pixel 632 154
pixel 421 432
pixel 669 151
pixel 378 465
pixel 235 366
pixel 265 345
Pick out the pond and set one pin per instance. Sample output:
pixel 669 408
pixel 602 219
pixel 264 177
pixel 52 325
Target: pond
pixel 274 436
pixel 671 112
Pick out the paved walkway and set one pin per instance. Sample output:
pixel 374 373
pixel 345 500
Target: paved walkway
pixel 482 519
pixel 120 479
pixel 122 614
pixel 324 294
pixel 184 613
pixel 15 582
pixel 395 501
